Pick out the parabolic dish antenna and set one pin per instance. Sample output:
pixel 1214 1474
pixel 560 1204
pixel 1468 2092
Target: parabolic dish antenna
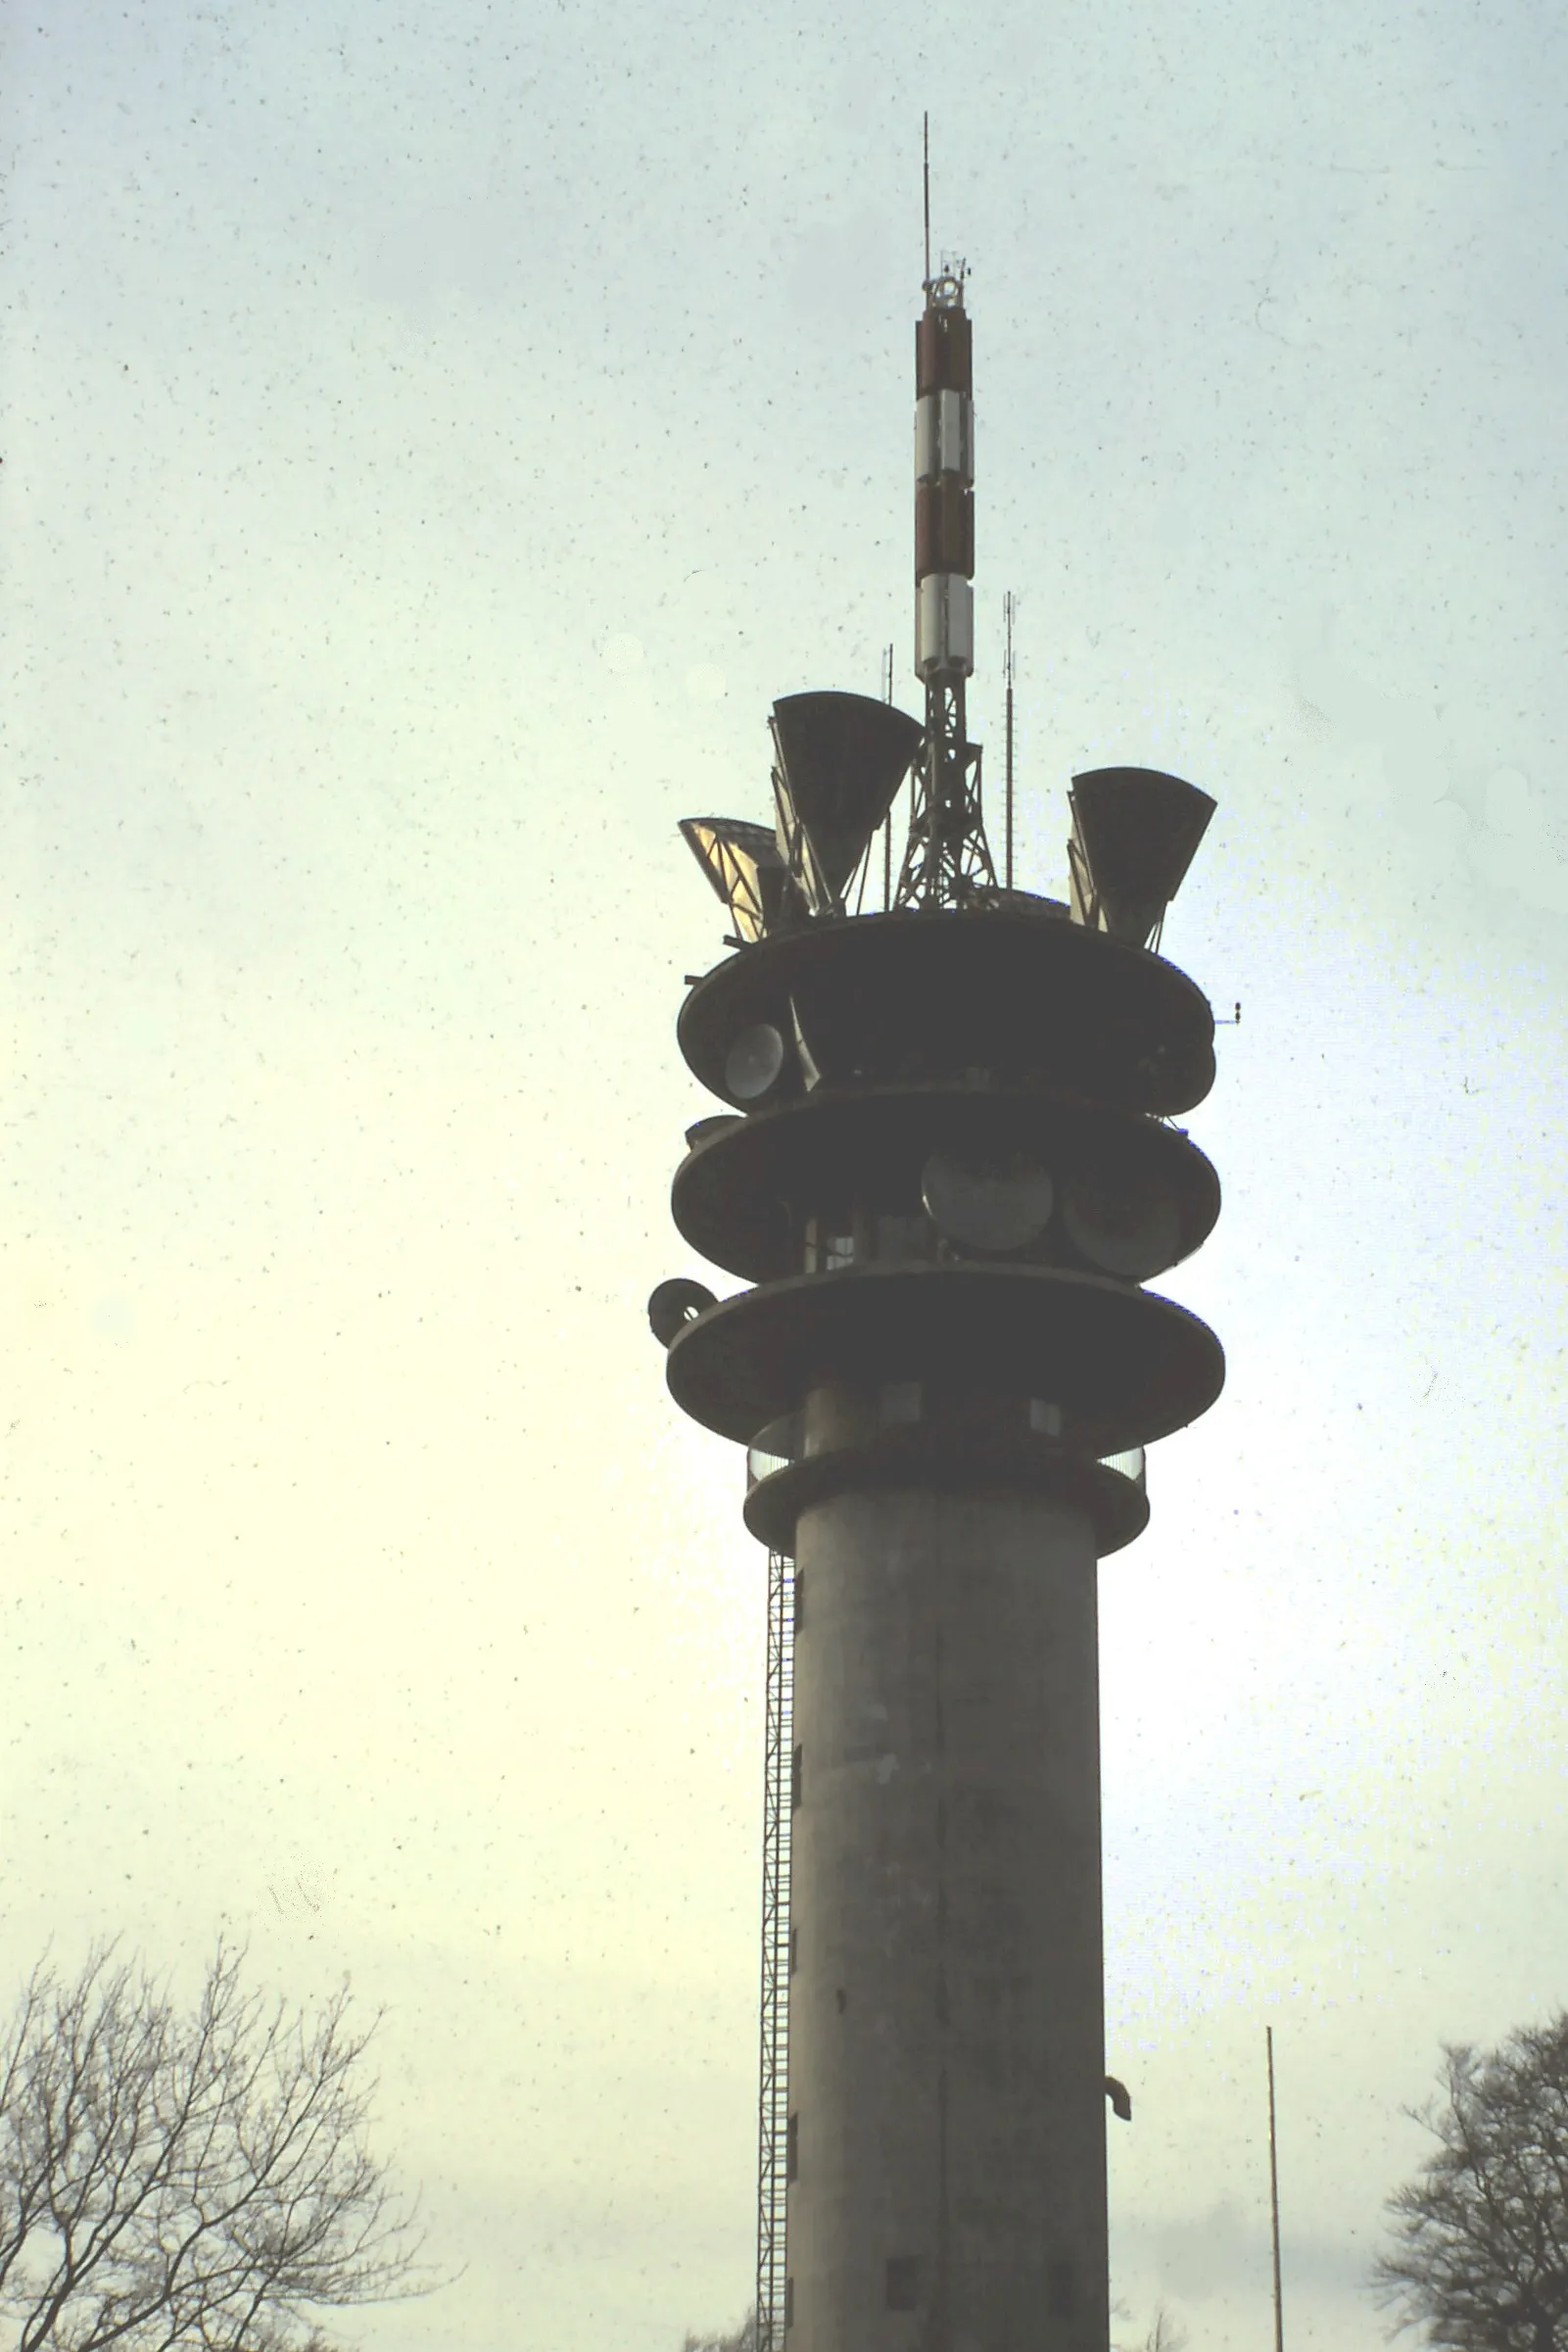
pixel 840 759
pixel 987 1205
pixel 1134 835
pixel 1123 1226
pixel 674 1305
pixel 754 1062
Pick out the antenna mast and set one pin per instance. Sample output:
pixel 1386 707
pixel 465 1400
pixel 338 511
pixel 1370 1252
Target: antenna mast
pixel 948 861
pixel 1009 602
pixel 1273 2196
pixel 887 827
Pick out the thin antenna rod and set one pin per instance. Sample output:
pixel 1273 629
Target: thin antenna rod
pixel 925 157
pixel 1273 2197
pixel 887 827
pixel 1007 612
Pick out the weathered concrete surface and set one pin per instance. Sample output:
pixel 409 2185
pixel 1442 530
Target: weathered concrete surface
pixel 946 2064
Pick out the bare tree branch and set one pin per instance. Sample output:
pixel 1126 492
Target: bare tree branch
pixel 1479 2251
pixel 198 2180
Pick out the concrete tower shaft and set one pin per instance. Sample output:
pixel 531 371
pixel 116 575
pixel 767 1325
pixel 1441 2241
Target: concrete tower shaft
pixel 946 2061
pixel 947 1172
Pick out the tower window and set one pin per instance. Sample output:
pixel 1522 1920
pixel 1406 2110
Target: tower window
pixel 800 1601
pixel 794 1948
pixel 798 1775
pixel 903 2281
pixel 792 2149
pixel 790 2301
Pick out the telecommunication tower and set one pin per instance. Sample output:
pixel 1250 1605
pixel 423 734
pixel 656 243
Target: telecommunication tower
pixel 946 1172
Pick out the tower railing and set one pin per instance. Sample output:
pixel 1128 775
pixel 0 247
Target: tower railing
pixel 773 2105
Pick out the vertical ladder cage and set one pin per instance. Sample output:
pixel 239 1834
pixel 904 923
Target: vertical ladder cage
pixel 773 2103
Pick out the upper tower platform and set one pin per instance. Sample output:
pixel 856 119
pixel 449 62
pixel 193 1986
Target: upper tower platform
pixel 1013 988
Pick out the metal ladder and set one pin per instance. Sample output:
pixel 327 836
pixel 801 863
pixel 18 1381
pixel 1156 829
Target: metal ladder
pixel 773 2103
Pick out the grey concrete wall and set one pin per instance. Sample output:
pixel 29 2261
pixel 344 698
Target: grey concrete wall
pixel 946 2059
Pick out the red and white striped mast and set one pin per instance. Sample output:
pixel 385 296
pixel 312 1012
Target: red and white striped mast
pixel 948 861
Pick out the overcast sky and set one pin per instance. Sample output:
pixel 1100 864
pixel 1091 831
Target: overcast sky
pixel 433 439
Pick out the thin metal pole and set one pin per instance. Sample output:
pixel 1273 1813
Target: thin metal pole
pixel 1273 2196
pixel 887 828
pixel 925 174
pixel 1007 607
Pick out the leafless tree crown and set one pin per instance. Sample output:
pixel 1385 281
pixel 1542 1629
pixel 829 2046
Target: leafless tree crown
pixel 196 2179
pixel 1479 2252
pixel 1161 2335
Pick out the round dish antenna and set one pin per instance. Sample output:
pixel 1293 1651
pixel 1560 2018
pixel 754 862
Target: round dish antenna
pixel 674 1305
pixel 754 1062
pixel 992 1206
pixel 1121 1225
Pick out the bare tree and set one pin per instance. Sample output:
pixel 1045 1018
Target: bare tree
pixel 198 2179
pixel 1478 2258
pixel 1163 2333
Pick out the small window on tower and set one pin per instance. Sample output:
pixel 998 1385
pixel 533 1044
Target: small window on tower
pixel 794 1948
pixel 800 1601
pixel 790 2302
pixel 903 2281
pixel 793 2149
pixel 797 1774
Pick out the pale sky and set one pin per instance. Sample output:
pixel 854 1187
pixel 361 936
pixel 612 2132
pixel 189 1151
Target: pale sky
pixel 432 441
